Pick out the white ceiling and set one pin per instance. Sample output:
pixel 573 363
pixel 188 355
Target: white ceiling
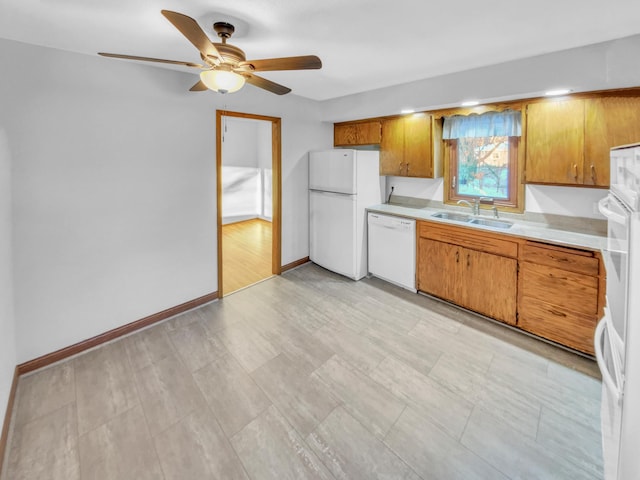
pixel 363 44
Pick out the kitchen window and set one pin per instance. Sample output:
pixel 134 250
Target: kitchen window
pixel 482 158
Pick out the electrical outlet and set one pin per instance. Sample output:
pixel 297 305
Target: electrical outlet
pixel 595 207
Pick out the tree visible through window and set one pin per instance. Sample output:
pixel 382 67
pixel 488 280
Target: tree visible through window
pixel 483 167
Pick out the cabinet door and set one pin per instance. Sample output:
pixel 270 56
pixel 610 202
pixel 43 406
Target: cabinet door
pixel 555 142
pixel 438 264
pixel 368 133
pixel 392 160
pixel 344 135
pixel 417 145
pixel 609 122
pixel 490 284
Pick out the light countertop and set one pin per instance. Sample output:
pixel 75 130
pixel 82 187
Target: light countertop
pixel 524 229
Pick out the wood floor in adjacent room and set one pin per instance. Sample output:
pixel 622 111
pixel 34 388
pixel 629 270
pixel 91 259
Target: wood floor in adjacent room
pixel 246 254
pixel 311 376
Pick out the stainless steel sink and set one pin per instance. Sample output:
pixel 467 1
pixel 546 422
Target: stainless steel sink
pixel 487 222
pixel 456 217
pixel 462 218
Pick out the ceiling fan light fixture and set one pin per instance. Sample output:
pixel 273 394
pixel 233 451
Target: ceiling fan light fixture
pixel 222 81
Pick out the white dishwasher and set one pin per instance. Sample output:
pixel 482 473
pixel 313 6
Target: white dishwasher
pixel 392 249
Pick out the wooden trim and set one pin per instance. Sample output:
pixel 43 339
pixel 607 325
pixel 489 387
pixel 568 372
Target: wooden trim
pixel 295 264
pixel 7 416
pixel 276 200
pixel 219 196
pixel 276 196
pixel 71 350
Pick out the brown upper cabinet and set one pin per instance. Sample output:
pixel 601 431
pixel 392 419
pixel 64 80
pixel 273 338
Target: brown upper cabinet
pixel 568 141
pixel 354 134
pixel 609 122
pixel 555 142
pixel 411 146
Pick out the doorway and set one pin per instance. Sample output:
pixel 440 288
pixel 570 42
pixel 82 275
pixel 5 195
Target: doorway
pixel 248 171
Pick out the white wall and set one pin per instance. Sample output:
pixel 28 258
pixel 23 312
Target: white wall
pixel 246 169
pixel 241 187
pixel 601 66
pixel 7 321
pixel 114 189
pixel 570 201
pixel 240 142
pixel 265 163
pixel 597 67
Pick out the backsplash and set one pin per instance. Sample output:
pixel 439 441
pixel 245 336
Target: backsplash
pixel 591 226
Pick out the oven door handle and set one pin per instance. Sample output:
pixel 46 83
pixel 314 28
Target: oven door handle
pixel 611 384
pixel 603 206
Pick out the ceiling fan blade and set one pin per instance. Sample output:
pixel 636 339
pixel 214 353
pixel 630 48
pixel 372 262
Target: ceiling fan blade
pixel 266 84
pixel 198 87
pixel 149 59
pixel 190 29
pixel 306 62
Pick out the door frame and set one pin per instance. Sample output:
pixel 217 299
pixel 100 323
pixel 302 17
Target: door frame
pixel 276 188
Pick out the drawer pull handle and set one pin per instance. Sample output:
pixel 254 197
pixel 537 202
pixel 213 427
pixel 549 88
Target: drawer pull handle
pixel 593 173
pixel 457 257
pixel 575 171
pixel 468 262
pixel 551 275
pixel 557 313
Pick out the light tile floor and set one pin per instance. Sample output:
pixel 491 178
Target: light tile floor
pixel 307 376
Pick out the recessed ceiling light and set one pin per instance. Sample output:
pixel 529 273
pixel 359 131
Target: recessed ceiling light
pixel 557 91
pixel 470 103
pixel 405 111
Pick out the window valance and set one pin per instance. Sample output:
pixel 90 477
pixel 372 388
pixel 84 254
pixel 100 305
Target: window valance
pixel 490 124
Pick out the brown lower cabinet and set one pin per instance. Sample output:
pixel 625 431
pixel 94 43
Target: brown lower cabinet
pixel 551 291
pixel 560 294
pixel 468 273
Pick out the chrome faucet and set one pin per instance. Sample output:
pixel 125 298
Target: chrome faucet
pixel 495 212
pixel 475 208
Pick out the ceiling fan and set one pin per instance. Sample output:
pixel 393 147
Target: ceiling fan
pixel 225 67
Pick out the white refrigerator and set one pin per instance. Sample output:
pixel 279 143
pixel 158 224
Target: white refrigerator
pixel 617 338
pixel 342 183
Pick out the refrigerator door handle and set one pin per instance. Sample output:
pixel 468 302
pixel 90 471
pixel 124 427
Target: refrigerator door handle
pixel 607 378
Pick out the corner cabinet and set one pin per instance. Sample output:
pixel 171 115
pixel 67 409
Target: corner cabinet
pixel 357 133
pixel 568 141
pixel 475 270
pixel 554 292
pixel 411 146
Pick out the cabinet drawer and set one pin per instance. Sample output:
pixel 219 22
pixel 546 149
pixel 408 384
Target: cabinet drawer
pixel 566 258
pixel 558 324
pixel 469 238
pixel 573 291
